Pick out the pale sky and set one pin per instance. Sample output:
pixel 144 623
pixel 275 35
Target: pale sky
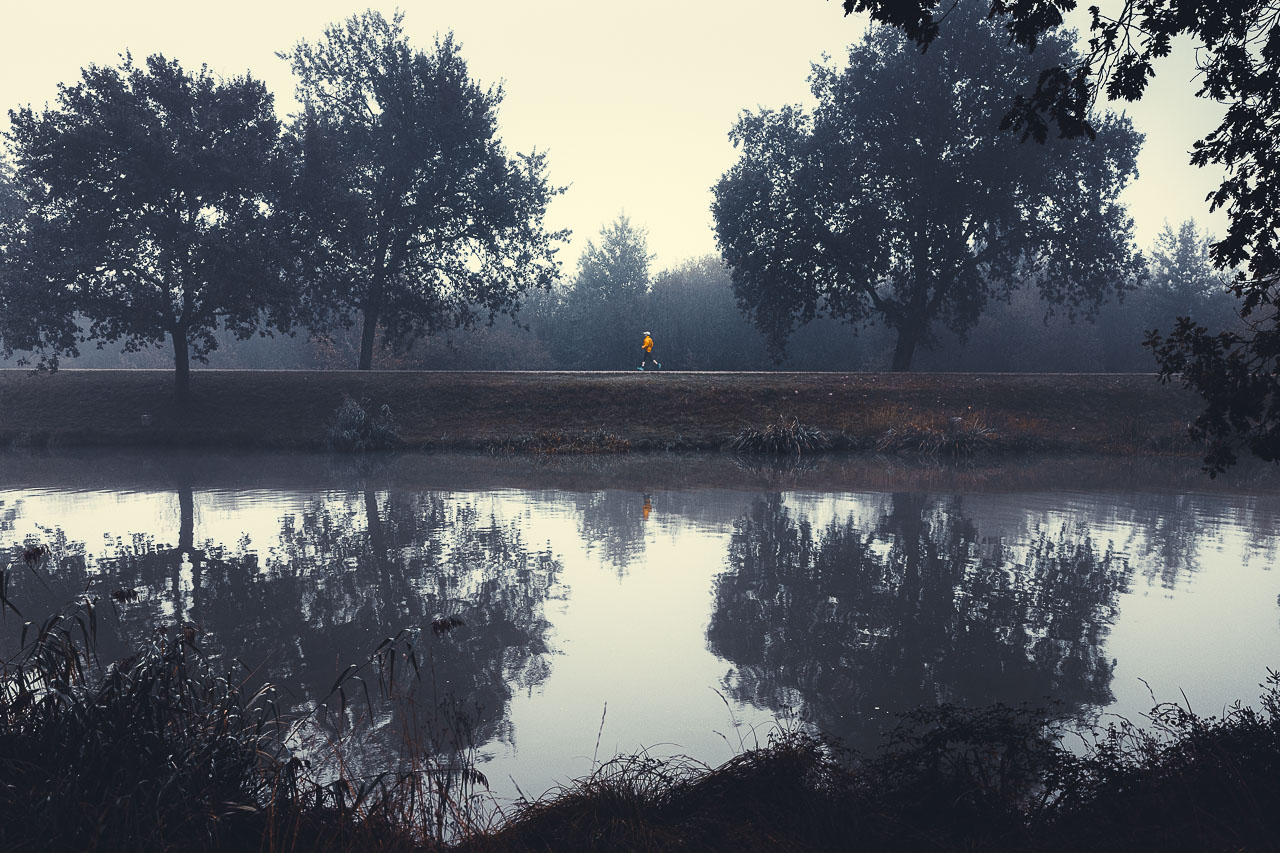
pixel 632 101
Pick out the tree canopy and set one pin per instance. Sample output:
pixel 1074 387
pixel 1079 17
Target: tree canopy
pixel 1238 56
pixel 145 212
pixel 413 214
pixel 897 201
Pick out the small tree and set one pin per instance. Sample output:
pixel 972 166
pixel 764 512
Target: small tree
pixel 597 323
pixel 147 211
pixel 1182 280
pixel 413 215
pixel 898 202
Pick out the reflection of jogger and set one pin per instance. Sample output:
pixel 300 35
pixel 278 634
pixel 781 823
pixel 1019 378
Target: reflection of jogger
pixel 648 358
pixel 647 507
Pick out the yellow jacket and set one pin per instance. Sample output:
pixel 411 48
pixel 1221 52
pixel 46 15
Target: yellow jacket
pixel 647 346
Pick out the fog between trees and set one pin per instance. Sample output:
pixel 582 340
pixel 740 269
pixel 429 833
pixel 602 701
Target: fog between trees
pixel 691 310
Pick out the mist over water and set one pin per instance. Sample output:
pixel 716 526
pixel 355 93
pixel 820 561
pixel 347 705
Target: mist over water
pixel 690 602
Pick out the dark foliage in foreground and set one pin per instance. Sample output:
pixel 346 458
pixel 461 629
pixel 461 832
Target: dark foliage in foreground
pixel 157 752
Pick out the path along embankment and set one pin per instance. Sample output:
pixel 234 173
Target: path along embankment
pixel 1105 413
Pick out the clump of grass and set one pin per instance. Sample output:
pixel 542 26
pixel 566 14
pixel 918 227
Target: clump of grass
pixel 782 438
pixel 356 430
pixel 782 796
pixel 557 442
pixel 956 437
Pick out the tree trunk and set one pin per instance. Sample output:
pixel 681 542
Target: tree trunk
pixel 181 367
pixel 371 309
pixel 907 337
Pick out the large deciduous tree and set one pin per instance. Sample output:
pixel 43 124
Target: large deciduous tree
pixel 1237 371
pixel 146 200
pixel 898 201
pixel 416 217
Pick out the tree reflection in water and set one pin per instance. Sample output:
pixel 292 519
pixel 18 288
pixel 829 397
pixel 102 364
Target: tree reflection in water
pixel 348 571
pixel 849 625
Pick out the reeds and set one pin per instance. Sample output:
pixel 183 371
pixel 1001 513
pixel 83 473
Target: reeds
pixel 159 751
pixel 781 438
pixel 949 779
pixel 144 752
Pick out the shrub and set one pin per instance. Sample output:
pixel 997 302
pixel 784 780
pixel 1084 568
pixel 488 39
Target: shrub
pixel 786 437
pixel 355 430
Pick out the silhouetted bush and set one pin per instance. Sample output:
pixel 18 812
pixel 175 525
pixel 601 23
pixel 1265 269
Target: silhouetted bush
pixel 949 779
pixel 158 751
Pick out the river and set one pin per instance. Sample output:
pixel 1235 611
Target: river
pixel 676 604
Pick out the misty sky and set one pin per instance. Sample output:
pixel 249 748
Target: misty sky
pixel 633 102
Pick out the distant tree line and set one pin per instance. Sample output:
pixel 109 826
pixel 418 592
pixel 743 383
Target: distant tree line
pixel 892 227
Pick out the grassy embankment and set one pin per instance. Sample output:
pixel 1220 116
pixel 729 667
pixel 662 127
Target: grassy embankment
pixel 1093 413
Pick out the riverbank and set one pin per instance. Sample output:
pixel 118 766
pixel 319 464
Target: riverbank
pixel 533 411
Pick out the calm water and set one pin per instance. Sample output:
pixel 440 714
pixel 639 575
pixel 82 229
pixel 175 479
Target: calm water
pixel 690 602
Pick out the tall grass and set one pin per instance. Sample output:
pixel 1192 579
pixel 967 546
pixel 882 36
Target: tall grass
pixel 948 779
pixel 161 751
